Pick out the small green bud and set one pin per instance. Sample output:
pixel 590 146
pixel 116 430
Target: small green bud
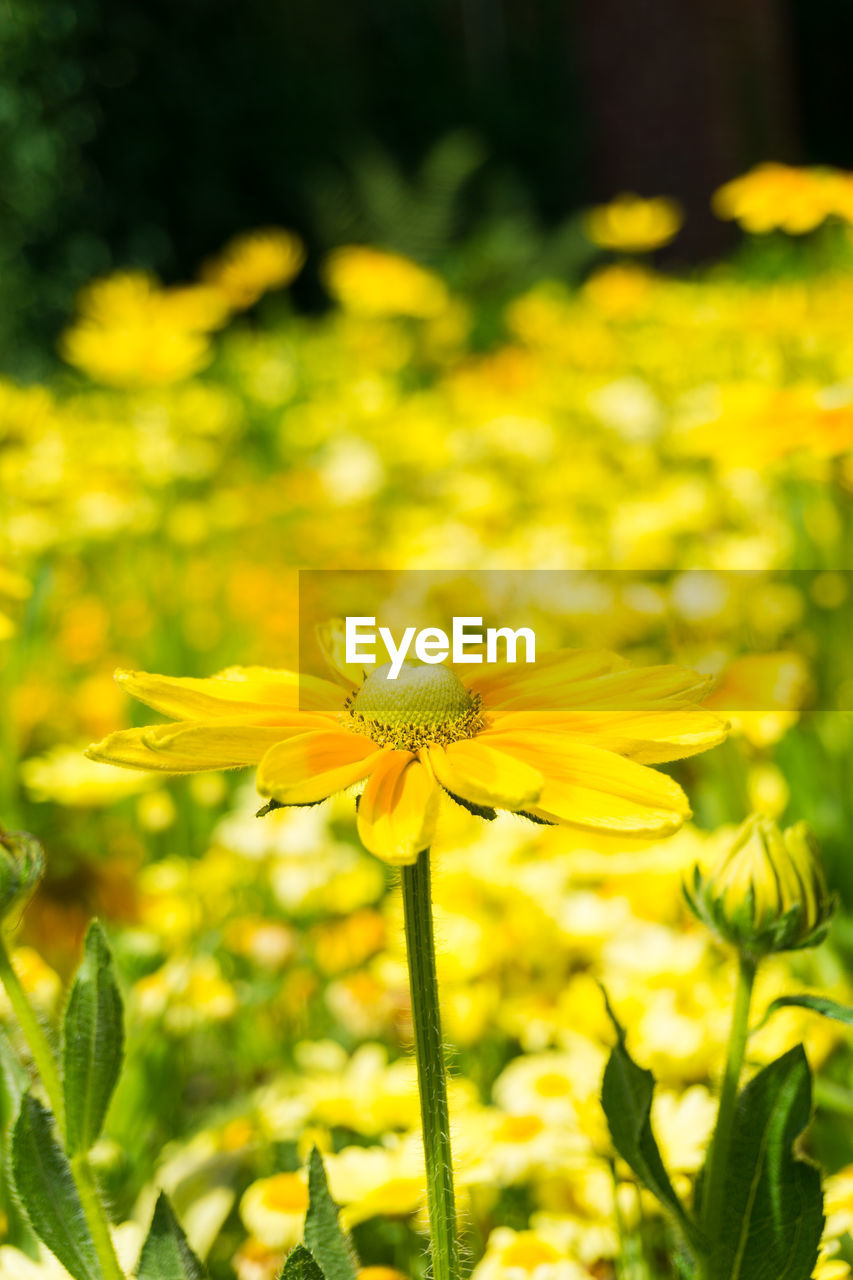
pixel 767 893
pixel 21 868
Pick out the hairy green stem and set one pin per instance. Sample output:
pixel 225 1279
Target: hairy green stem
pixel 35 1036
pixel 47 1068
pixel 718 1156
pixel 429 1053
pixel 93 1208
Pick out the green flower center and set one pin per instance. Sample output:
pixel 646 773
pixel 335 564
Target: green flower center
pixel 425 705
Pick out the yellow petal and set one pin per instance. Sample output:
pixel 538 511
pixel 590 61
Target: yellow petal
pixel 398 808
pixel 239 691
pixel 478 772
pixel 581 681
pixel 189 748
pixel 331 637
pixel 589 787
pixel 311 766
pixel 649 737
pixel 128 749
pixel 502 686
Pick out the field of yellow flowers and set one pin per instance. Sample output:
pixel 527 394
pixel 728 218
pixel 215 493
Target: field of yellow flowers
pixel 672 454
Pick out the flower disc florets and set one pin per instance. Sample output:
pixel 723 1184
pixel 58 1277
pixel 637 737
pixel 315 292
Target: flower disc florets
pixel 424 706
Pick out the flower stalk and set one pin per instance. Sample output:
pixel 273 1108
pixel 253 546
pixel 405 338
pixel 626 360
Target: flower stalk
pixel 718 1157
pixel 429 1054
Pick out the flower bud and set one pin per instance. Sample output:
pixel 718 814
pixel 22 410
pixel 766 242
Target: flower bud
pixel 767 893
pixel 21 868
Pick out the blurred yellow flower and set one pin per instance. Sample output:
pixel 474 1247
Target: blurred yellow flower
pixel 779 196
pixel 254 263
pixel 758 424
pixel 762 694
pixel 64 775
pixel 369 1181
pixel 373 282
pixel 41 983
pixel 631 224
pixel 186 993
pixel 525 1255
pixel 567 741
pixel 273 1209
pixel 130 331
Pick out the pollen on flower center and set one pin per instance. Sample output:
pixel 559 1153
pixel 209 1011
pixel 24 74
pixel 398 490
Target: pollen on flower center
pixel 425 705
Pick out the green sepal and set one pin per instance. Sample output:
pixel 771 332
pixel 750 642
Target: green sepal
pixel 626 1096
pixel 21 869
pixel 324 1236
pixel 815 1004
pixel 477 810
pixel 772 1204
pixel 93 1043
pixel 300 1265
pixel 45 1184
pixel 534 818
pixel 166 1254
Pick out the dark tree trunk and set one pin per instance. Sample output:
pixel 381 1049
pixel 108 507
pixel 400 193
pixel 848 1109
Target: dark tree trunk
pixel 681 95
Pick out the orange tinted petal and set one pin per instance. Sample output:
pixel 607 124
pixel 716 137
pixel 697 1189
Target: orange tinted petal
pixel 476 771
pixel 398 808
pixel 311 766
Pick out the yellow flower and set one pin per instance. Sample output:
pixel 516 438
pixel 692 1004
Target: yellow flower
pixel 41 983
pixel 130 331
pixel 780 196
pixel 372 282
pixel 632 224
pixel 369 1182
pixel 567 741
pixel 525 1255
pixel 254 263
pixel 62 775
pixel 274 1209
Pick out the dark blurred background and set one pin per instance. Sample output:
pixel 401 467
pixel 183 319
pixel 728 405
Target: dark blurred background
pixel 147 132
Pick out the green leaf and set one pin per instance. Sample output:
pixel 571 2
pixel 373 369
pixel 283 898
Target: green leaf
pixel 323 1234
pixel 93 1043
pixel 772 1215
pixel 166 1254
pixel 626 1096
pixel 299 1265
pixel 817 1004
pixel 46 1186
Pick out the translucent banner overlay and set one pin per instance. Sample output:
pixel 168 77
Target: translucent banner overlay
pixel 769 641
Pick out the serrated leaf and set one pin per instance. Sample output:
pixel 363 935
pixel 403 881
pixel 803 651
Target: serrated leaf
pixel 772 1214
pixel 323 1233
pixel 299 1265
pixel 93 1043
pixel 626 1096
pixel 816 1004
pixel 166 1254
pixel 46 1187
